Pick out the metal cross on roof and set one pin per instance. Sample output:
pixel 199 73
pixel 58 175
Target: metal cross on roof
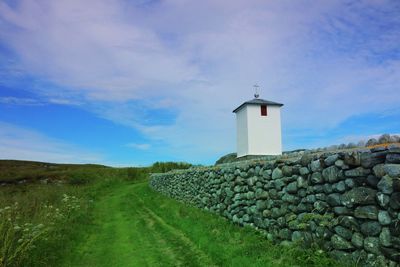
pixel 256 94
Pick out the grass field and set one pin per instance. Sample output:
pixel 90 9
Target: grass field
pixel 117 220
pixel 135 226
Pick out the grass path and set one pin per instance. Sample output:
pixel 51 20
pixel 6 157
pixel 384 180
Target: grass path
pixel 127 233
pixel 134 226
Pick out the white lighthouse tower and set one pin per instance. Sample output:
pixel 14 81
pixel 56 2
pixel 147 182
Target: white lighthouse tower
pixel 258 123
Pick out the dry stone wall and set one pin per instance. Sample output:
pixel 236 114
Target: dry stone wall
pixel 347 202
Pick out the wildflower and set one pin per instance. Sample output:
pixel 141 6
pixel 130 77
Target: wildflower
pixel 17 228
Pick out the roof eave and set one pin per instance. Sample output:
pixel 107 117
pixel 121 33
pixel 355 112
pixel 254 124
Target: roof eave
pixel 245 104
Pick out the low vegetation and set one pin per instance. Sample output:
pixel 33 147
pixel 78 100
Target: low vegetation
pixel 91 215
pixel 42 205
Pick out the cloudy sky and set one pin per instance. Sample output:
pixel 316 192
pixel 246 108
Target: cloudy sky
pixel 130 82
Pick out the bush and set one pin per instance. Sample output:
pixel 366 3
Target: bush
pixel 371 142
pixel 136 173
pixel 79 177
pixel 384 139
pixel 161 167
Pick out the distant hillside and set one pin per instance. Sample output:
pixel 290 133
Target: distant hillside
pixel 18 171
pixel 12 171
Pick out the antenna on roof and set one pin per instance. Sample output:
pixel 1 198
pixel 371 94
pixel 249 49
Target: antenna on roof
pixel 256 93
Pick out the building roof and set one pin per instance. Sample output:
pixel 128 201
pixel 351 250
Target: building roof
pixel 258 101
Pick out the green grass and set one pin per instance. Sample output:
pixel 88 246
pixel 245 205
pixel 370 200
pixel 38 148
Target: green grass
pixel 135 226
pixel 36 216
pixel 101 216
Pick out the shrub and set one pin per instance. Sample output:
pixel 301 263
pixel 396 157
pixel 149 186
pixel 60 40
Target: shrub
pixel 384 139
pixel 160 167
pixel 371 142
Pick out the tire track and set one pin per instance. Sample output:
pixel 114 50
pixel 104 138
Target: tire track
pixel 164 247
pixel 199 255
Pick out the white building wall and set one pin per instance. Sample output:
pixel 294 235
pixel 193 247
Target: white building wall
pixel 256 134
pixel 241 132
pixel 264 132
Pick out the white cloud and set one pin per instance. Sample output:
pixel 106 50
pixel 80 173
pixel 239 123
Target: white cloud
pixel 20 101
pixel 326 61
pixel 139 146
pixel 25 144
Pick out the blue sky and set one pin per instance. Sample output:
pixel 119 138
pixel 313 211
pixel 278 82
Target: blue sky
pixel 134 82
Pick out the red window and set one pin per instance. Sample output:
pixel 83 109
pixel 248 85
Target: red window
pixel 263 110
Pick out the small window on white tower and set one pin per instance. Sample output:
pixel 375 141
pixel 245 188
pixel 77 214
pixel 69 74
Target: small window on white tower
pixel 263 110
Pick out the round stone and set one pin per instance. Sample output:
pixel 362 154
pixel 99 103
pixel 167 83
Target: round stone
pixel 311 199
pixel 395 201
pixel 371 244
pixel 357 240
pixel 382 199
pixel 321 206
pixel 316 178
pixel 366 212
pixel 339 163
pixel 328 188
pixel 349 183
pixel 385 185
pixel 297 236
pixel 339 187
pixel 329 161
pixel 342 210
pixel 384 217
pixel 379 170
pixel 333 199
pixel 304 171
pixel 385 237
pixel 287 171
pixel 343 232
pixel 393 158
pixel 301 182
pixel 359 195
pixel 371 228
pixel 339 242
pixel 392 170
pixel 330 174
pixel 349 222
pixel 292 187
pixel 315 166
pixel 277 173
